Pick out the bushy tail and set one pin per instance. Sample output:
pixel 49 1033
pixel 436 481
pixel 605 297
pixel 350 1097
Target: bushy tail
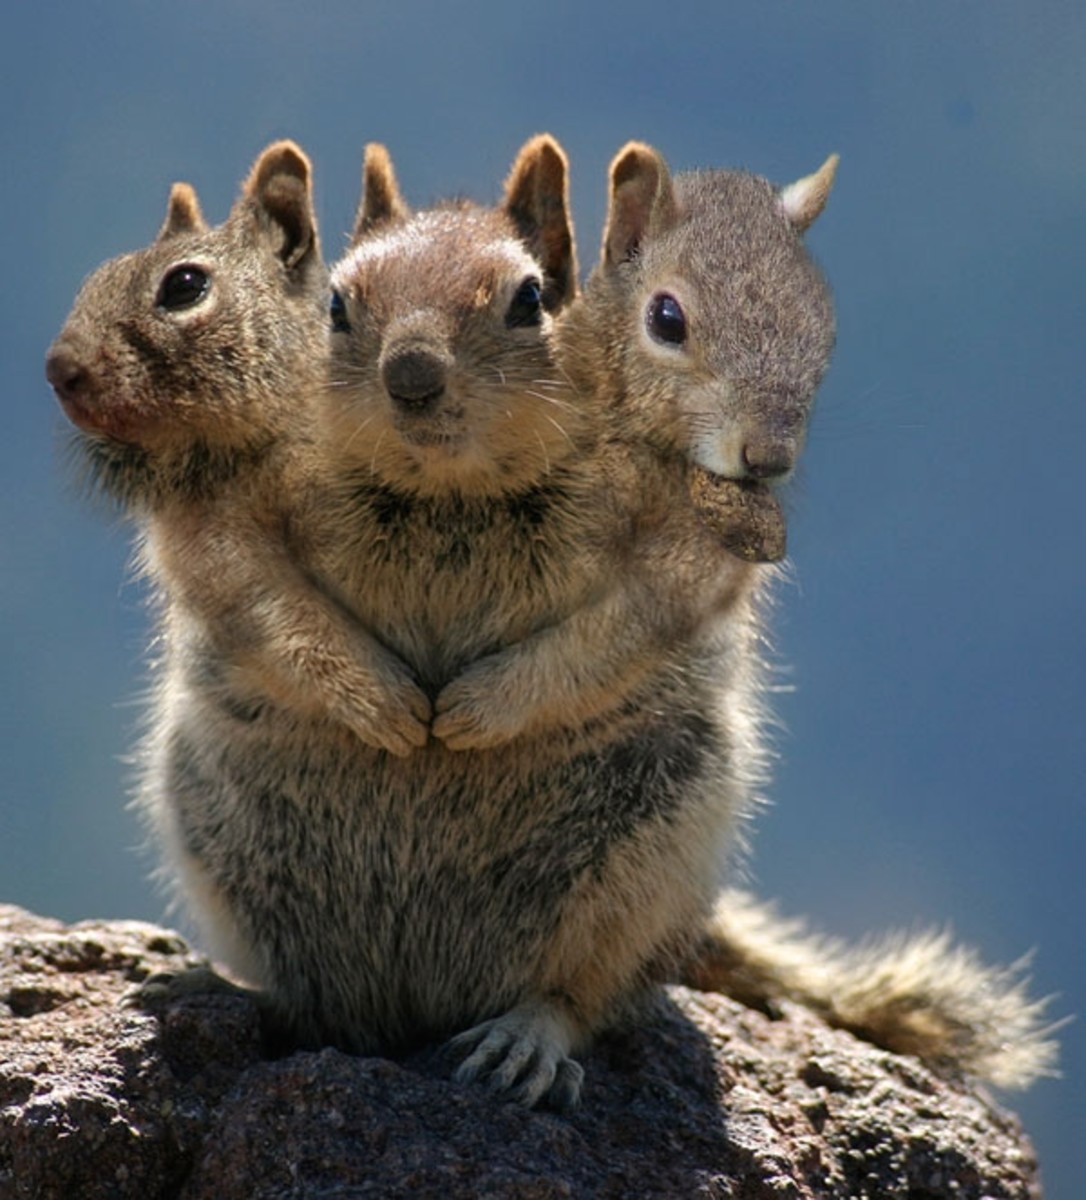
pixel 913 994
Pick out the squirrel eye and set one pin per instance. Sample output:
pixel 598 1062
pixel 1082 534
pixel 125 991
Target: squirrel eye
pixel 665 320
pixel 337 310
pixel 183 287
pixel 527 304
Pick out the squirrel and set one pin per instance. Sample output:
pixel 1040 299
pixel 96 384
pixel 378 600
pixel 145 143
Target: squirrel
pixel 190 372
pixel 705 298
pixel 533 865
pixel 512 882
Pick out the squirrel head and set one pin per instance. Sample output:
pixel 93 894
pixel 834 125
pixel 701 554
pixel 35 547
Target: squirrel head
pixel 707 319
pixel 441 368
pixel 204 337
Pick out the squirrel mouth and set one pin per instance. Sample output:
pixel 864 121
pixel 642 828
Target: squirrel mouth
pixel 434 439
pixel 117 423
pixel 445 431
pixel 83 416
pixel 91 418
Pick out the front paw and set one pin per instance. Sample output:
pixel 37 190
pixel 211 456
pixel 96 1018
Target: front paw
pixel 473 714
pixel 396 719
pixel 523 1057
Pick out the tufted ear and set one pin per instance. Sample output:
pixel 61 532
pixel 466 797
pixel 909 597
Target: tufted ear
pixel 280 190
pixel 803 200
pixel 641 201
pixel 183 213
pixel 381 201
pixel 536 201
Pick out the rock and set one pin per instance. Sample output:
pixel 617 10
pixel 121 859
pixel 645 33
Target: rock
pixel 703 1098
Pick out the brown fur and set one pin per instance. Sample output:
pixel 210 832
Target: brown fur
pixel 438 287
pixel 520 875
pixel 918 994
pixel 198 418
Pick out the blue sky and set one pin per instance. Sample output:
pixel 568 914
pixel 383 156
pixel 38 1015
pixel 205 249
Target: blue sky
pixel 932 640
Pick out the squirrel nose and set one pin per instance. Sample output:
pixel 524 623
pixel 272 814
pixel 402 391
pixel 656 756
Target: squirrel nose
pixel 67 374
pixel 768 459
pixel 415 379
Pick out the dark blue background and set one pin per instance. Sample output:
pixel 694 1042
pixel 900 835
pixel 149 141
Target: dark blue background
pixel 933 636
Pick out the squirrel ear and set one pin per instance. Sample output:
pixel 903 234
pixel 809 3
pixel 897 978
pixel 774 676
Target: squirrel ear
pixel 537 202
pixel 281 190
pixel 183 213
pixel 802 201
pixel 642 201
pixel 381 201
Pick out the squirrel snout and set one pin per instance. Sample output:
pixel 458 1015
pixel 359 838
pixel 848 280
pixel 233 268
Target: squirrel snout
pixel 414 379
pixel 768 459
pixel 67 374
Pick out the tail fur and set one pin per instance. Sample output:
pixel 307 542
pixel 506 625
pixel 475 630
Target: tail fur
pixel 914 994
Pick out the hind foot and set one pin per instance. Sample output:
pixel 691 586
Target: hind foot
pixel 522 1056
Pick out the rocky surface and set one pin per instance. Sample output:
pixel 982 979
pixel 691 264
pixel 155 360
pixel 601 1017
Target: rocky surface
pixel 705 1098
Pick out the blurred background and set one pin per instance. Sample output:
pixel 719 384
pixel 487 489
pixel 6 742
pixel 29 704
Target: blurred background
pixel 932 640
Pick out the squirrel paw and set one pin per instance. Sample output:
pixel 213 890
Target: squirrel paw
pixel 399 722
pixel 472 714
pixel 521 1056
pixel 166 986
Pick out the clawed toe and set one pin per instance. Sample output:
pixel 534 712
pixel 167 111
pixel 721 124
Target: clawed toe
pixel 565 1092
pixel 518 1057
pixel 165 986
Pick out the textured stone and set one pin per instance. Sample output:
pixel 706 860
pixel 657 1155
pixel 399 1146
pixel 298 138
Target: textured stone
pixel 703 1098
